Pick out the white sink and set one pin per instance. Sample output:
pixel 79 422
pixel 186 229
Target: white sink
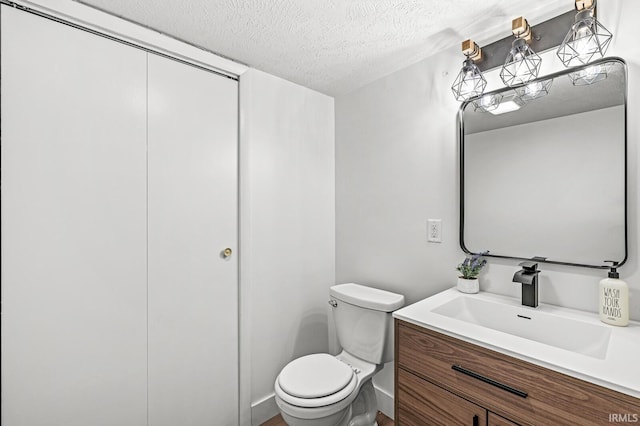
pixel 567 340
pixel 543 327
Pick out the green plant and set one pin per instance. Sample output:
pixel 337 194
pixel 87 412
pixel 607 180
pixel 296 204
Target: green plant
pixel 472 266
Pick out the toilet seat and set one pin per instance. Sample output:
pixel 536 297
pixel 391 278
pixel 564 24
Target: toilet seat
pixel 315 380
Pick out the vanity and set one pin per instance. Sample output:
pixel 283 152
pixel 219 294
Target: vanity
pixel 543 181
pixel 483 359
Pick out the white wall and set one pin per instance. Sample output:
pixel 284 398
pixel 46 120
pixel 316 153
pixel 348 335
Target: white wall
pixel 397 166
pixel 287 231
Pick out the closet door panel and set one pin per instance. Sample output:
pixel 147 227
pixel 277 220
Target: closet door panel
pixel 73 226
pixel 193 297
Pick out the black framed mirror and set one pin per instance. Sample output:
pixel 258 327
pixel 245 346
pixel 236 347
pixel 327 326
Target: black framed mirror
pixel 548 179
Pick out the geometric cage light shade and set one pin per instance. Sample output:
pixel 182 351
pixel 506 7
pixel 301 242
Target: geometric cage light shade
pixel 469 83
pixel 587 39
pixel 522 64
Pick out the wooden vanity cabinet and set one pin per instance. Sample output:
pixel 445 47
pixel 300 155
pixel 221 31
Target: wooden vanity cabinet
pixel 447 381
pixel 420 399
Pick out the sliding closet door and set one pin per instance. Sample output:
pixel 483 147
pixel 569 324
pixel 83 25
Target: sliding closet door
pixel 193 297
pixel 73 226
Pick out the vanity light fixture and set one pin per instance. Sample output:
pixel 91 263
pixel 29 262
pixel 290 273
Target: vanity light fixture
pixel 470 82
pixel 534 90
pixel 587 39
pixel 522 64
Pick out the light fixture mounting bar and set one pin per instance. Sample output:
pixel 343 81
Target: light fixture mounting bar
pixel 584 4
pixel 545 36
pixel 521 29
pixel 471 50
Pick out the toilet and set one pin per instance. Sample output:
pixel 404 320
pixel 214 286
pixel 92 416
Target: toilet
pixel 326 390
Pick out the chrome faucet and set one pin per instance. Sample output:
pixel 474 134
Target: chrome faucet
pixel 528 277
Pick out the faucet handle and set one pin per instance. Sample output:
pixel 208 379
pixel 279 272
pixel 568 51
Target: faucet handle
pixel 529 266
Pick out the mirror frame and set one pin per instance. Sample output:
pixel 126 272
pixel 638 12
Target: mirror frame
pixel 564 72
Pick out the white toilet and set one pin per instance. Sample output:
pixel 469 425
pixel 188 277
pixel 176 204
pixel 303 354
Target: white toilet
pixel 326 390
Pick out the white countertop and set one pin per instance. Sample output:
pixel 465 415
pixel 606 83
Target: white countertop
pixel 619 370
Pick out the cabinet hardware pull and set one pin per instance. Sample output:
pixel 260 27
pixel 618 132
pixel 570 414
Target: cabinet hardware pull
pixel 475 420
pixel 489 381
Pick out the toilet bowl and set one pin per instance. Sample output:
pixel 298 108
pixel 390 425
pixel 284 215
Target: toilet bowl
pixel 320 389
pixel 325 390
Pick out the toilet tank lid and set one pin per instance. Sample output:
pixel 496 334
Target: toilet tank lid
pixel 367 297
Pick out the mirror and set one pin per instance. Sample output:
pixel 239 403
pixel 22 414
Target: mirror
pixel 548 180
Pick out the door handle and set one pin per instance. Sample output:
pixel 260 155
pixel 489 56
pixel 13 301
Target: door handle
pixel 226 253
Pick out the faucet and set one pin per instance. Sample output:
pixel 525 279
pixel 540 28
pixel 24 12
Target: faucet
pixel 528 277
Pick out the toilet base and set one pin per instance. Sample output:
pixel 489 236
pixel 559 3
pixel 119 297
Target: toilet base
pixel 292 421
pixel 340 418
pixel 361 412
pixel 365 407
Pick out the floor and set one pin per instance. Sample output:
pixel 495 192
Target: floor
pixel 277 421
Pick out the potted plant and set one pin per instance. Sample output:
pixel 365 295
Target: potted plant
pixel 469 270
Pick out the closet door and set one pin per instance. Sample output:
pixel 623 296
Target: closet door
pixel 193 296
pixel 73 226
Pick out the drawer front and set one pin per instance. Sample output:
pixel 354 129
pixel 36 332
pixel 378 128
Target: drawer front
pixel 423 403
pixel 512 388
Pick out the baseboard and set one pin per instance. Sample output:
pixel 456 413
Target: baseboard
pixel 385 401
pixel 263 410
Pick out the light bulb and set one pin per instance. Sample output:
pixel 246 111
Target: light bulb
pixel 518 56
pixel 520 71
pixel 521 75
pixel 583 31
pixel 589 74
pixel 469 83
pixel 533 89
pixel 486 101
pixel 585 43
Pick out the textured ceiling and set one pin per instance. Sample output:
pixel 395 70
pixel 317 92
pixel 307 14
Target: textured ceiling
pixel 333 46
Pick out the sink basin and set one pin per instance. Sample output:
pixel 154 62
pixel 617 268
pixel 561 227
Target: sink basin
pixel 567 340
pixel 543 327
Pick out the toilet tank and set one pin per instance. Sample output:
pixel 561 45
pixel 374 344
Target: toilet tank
pixel 363 321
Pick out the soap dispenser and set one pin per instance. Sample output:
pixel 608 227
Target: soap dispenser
pixel 614 298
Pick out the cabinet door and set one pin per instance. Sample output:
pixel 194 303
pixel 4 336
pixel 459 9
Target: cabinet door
pixel 422 403
pixel 73 226
pixel 193 296
pixel 496 420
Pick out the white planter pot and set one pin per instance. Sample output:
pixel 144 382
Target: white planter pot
pixel 468 286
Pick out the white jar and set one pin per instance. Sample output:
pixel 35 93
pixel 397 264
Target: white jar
pixel 468 285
